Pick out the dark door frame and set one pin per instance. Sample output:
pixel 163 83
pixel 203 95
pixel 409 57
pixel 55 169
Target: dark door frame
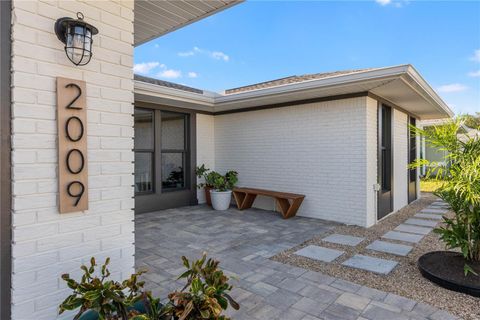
pixel 382 196
pixel 412 186
pixel 152 204
pixel 5 161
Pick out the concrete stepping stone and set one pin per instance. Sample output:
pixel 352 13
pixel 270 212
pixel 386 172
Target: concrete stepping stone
pixel 436 211
pixel 388 247
pixel 376 265
pixel 413 229
pixel 343 239
pixel 421 222
pixel 439 203
pixel 402 236
pixel 429 216
pixel 319 253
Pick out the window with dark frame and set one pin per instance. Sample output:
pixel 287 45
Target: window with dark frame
pixel 144 148
pixel 174 152
pixel 386 145
pixel 413 150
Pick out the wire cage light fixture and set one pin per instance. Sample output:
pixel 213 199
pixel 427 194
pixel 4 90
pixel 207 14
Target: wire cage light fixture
pixel 77 35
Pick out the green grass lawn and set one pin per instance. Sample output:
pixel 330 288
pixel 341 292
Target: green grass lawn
pixel 429 185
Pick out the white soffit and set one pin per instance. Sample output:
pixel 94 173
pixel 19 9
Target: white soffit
pixel 154 18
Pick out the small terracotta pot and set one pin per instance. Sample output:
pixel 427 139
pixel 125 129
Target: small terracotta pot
pixel 207 196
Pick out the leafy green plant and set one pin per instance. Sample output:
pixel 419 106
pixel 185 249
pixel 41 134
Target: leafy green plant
pixel 223 182
pixel 205 295
pixel 460 187
pixel 110 299
pixel 215 180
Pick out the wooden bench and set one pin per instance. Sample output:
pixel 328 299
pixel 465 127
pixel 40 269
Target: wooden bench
pixel 287 202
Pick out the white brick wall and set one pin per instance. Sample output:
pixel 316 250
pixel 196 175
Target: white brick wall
pixel 205 146
pixel 400 162
pixel 318 149
pixel 372 161
pixel 45 243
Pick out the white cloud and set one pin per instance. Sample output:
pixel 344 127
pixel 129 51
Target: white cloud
pixel 454 87
pixel 192 74
pixel 170 74
pixel 474 74
pixel 220 56
pixel 476 56
pixel 395 3
pixel 146 67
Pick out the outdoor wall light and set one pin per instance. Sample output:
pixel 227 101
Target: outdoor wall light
pixel 77 37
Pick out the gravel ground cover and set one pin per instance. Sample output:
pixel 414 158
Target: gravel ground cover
pixel 405 280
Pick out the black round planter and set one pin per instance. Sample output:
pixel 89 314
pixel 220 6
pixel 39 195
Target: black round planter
pixel 445 268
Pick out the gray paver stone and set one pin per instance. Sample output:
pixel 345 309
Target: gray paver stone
pixel 402 236
pixel 319 253
pixel 343 239
pixel 399 301
pixel 377 265
pixel 413 229
pixel 433 210
pixel 388 247
pixel 429 216
pixel 421 222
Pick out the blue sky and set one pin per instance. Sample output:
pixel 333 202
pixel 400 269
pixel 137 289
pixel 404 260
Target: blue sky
pixel 263 40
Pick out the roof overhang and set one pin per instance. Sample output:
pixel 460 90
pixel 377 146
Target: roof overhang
pixel 154 18
pixel 400 85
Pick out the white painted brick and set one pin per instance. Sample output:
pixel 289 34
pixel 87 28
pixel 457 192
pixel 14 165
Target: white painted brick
pixel 84 222
pixel 117 119
pixel 324 143
pixel 23 156
pixel 46 243
pixel 59 241
pixel 116 143
pixel 33 201
pixel 37 231
pixel 34 262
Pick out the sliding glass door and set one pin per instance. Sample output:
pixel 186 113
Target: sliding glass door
pixel 164 159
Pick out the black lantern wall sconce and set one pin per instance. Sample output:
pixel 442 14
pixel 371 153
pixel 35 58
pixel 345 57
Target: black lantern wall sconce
pixel 77 35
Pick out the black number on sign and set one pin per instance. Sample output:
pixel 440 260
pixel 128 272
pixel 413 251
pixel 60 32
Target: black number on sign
pixel 69 106
pixel 67 125
pixel 79 194
pixel 68 161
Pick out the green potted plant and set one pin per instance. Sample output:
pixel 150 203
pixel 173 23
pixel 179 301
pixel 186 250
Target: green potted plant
pixel 460 189
pixel 223 185
pixel 202 172
pixel 96 297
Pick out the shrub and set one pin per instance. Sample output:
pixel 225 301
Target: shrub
pixel 460 188
pixel 204 296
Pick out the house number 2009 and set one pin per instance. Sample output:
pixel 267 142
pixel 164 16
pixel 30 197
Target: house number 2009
pixel 72 148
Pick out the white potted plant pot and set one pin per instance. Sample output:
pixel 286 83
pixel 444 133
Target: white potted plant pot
pixel 221 199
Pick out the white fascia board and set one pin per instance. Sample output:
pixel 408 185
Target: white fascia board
pixel 363 76
pixel 206 99
pixel 406 73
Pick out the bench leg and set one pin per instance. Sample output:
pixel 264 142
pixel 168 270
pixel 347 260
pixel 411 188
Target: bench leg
pixel 244 200
pixel 248 202
pixel 239 197
pixel 288 209
pixel 292 211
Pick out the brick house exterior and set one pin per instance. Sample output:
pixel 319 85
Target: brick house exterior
pixel 316 136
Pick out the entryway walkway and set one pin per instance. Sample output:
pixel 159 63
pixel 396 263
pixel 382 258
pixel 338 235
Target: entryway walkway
pixel 244 241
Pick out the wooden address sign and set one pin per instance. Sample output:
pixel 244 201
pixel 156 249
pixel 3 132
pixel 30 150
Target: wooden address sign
pixel 72 145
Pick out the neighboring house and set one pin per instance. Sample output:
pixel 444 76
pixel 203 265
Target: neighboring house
pixel 433 154
pixel 339 138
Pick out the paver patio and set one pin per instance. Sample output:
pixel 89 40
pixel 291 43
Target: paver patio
pixel 243 241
